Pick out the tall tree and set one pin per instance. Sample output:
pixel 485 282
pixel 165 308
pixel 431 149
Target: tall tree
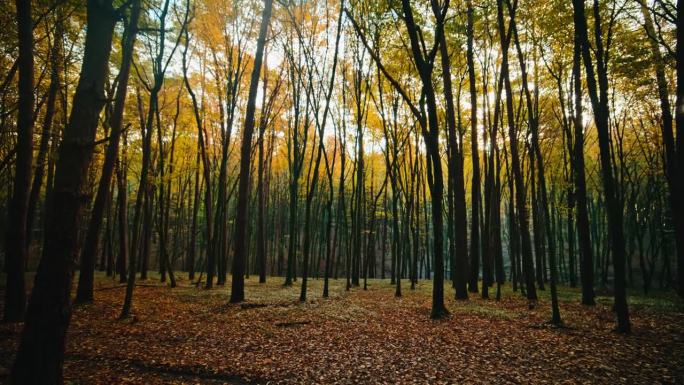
pixel 321 149
pixel 16 247
pixel 598 94
pixel 206 165
pixel 84 292
pixel 261 188
pixel 533 125
pixel 457 208
pixel 429 124
pixel 517 172
pixel 679 119
pixel 579 178
pixel 41 350
pixel 237 293
pixel 56 69
pixel 142 216
pixel 475 151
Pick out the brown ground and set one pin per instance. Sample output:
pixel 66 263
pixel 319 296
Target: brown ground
pixel 190 335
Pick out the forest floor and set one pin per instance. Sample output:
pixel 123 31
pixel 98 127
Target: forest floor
pixel 191 335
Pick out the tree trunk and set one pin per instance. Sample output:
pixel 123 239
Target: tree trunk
pixel 237 293
pixel 521 203
pixel 192 246
pixel 475 187
pixel 41 351
pixel 84 292
pixel 457 209
pixel 43 152
pixel 679 118
pixel 16 247
pixel 599 101
pixel 583 233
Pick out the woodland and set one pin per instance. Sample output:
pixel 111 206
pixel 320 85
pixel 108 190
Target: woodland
pixel 341 191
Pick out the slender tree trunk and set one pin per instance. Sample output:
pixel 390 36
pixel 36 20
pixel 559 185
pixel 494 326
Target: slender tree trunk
pixel 84 292
pixel 260 239
pixel 583 234
pixel 521 203
pixel 544 215
pixel 457 209
pixel 16 245
pixel 434 160
pixel 44 150
pixel 193 227
pixel 206 170
pixel 599 101
pixel 321 151
pixel 679 118
pixel 359 197
pixel 475 187
pixel 238 287
pixel 122 205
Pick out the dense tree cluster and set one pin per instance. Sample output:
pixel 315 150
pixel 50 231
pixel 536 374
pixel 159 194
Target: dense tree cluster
pixel 480 143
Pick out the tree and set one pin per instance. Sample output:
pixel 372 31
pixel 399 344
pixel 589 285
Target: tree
pixel 533 125
pixel 144 196
pixel 679 119
pixel 237 293
pixel 520 200
pixel 84 291
pixel 41 351
pixel 475 186
pixel 321 149
pixel 16 248
pixel 429 125
pixel 583 235
pixel 456 191
pixel 599 101
pixel 204 157
pixel 56 68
